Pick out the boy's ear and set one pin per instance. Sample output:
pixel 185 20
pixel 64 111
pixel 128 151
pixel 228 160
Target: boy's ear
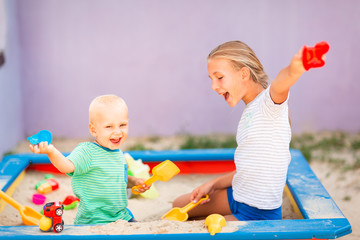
pixel 92 130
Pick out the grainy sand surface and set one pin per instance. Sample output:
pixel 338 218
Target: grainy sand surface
pixel 343 186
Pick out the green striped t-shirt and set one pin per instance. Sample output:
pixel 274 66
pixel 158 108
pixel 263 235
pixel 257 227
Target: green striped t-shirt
pixel 100 182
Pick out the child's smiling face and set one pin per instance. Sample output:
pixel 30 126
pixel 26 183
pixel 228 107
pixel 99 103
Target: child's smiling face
pixel 110 124
pixel 226 80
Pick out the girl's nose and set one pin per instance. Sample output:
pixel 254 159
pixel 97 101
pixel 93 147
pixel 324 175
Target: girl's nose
pixel 214 86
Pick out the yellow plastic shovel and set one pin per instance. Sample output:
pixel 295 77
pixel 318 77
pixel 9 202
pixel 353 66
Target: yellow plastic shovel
pixel 29 216
pixel 163 172
pixel 180 214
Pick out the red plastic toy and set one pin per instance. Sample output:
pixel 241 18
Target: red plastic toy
pixel 70 202
pixel 54 211
pixel 70 199
pixel 312 56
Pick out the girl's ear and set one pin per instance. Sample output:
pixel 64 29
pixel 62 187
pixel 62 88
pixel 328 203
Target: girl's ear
pixel 92 130
pixel 245 73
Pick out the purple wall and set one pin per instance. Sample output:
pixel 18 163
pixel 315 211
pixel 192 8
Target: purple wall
pixel 11 120
pixel 153 54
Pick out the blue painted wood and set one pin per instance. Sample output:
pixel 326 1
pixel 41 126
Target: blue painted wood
pixel 10 168
pixel 282 229
pixel 184 155
pixel 323 219
pixel 159 156
pixel 311 197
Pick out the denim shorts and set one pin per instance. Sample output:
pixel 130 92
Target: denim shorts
pixel 244 212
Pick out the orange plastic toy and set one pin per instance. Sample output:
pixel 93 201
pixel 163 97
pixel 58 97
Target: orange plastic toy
pixel 47 185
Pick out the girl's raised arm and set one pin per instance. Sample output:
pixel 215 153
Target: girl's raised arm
pixel 288 76
pixel 306 58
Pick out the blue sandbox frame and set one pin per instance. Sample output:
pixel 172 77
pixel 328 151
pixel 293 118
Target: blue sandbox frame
pixel 322 218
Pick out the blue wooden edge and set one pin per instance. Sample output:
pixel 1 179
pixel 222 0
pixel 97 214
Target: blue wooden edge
pixel 311 197
pixel 282 229
pixel 322 217
pixel 10 168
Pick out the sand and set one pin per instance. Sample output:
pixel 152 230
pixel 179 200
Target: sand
pixel 343 186
pixel 146 211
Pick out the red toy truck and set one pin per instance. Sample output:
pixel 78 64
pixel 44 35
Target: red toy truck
pixel 54 211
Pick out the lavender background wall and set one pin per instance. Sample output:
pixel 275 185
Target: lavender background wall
pixel 153 54
pixel 11 116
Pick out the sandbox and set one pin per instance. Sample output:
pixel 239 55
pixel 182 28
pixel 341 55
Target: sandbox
pixel 321 218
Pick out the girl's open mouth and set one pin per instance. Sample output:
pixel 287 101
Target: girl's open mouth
pixel 226 96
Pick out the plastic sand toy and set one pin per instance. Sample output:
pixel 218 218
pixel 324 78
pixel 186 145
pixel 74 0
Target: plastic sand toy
pixel 70 202
pixel 42 136
pixel 180 214
pixel 215 222
pixel 47 185
pixel 29 216
pixel 140 170
pixel 163 172
pixel 313 56
pixel 52 217
pixel 38 199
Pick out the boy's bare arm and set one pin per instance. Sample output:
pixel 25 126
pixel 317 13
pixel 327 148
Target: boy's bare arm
pixel 63 164
pixel 131 181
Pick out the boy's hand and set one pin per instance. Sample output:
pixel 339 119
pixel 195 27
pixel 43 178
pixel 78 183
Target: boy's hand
pixel 63 164
pixel 134 181
pixel 42 147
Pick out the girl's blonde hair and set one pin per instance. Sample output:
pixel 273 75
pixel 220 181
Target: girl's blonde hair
pixel 241 55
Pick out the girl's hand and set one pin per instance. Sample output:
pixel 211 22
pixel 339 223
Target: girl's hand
pixel 42 147
pixel 314 57
pixel 296 67
pixel 201 191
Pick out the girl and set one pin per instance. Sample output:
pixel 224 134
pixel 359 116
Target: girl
pixel 254 190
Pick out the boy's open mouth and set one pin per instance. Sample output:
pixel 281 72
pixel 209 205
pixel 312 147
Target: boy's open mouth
pixel 115 141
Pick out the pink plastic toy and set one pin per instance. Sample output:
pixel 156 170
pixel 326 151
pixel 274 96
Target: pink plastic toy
pixel 38 199
pixel 312 56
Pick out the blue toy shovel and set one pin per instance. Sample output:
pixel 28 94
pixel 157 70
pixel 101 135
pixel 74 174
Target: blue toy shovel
pixel 42 136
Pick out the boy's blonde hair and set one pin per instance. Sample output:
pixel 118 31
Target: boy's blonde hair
pixel 241 55
pixel 104 100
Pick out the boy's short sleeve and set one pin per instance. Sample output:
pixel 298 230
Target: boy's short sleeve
pixel 81 158
pixel 272 109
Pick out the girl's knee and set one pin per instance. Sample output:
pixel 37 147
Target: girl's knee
pixel 181 201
